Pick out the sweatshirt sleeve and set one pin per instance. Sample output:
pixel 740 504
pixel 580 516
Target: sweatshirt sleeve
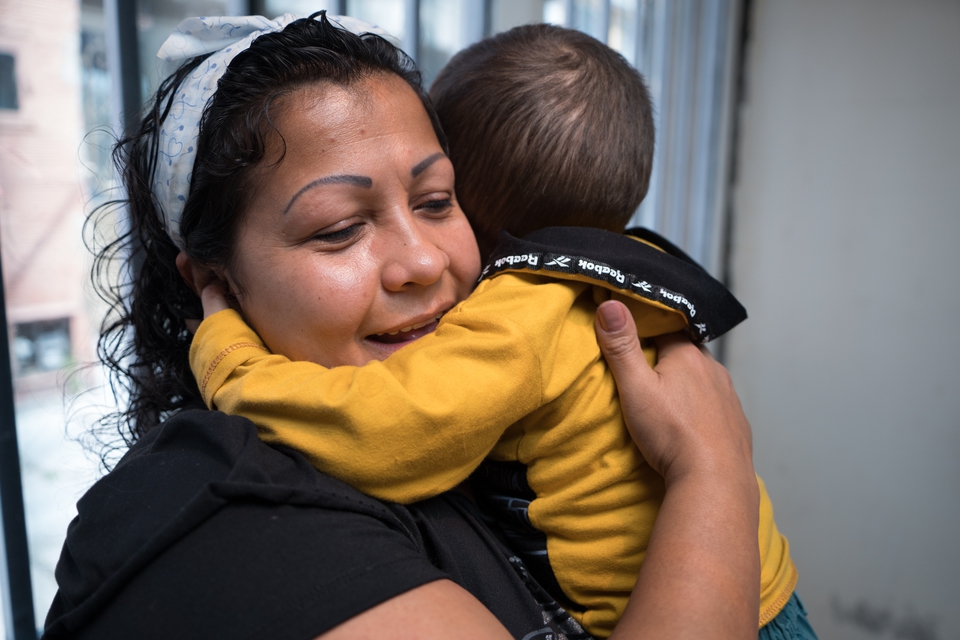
pixel 415 424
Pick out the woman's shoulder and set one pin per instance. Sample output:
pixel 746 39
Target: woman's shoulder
pixel 200 457
pixel 200 508
pixel 202 530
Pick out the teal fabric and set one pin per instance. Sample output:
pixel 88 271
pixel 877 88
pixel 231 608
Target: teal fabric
pixel 790 624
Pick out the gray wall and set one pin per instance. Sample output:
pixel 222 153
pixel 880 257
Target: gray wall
pixel 846 253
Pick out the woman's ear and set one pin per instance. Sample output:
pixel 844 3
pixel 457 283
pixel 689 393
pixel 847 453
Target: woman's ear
pixel 212 288
pixel 195 277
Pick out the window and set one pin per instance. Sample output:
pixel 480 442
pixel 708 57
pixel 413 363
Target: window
pixel 8 82
pixel 682 47
pixel 41 346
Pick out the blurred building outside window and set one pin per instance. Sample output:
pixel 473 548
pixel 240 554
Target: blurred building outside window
pixel 42 194
pixel 58 117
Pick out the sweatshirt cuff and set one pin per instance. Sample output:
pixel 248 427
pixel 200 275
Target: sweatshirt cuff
pixel 222 343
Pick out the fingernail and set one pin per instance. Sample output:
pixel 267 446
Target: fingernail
pixel 611 316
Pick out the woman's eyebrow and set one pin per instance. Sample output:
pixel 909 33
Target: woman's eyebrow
pixel 422 166
pixel 360 181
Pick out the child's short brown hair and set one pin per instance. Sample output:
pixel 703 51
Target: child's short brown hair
pixel 547 126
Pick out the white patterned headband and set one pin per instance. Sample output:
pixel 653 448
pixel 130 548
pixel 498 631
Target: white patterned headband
pixel 224 37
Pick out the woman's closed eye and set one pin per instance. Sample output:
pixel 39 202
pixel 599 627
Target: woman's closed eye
pixel 338 236
pixel 435 206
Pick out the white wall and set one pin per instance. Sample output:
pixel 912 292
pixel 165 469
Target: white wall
pixel 846 253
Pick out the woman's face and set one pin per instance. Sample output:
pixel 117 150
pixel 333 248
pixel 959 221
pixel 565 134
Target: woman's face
pixel 353 245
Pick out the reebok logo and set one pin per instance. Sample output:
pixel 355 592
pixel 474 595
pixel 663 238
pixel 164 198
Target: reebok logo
pixel 527 258
pixel 602 269
pixel 679 299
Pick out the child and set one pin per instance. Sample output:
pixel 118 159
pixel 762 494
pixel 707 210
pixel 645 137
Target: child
pixel 547 127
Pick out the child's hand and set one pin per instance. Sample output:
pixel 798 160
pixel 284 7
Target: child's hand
pixel 214 298
pixel 207 284
pixel 683 414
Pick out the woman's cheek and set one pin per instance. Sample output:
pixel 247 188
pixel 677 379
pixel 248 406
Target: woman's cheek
pixel 343 291
pixel 465 262
pixel 347 282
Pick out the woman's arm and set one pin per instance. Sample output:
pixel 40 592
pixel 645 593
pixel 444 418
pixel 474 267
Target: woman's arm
pixel 701 576
pixel 440 609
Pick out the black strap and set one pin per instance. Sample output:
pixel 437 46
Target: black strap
pixel 619 263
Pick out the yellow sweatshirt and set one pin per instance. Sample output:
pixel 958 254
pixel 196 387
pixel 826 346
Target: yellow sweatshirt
pixel 514 373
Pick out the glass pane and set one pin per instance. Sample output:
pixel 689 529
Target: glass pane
pixel 589 17
pixel 624 33
pixel 156 19
pixel 303 8
pixel 60 123
pixel 389 14
pixel 555 12
pixel 42 203
pixel 8 82
pixel 507 14
pixel 446 26
pixel 44 130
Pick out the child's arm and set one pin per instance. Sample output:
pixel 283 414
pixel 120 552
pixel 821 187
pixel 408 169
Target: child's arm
pixel 417 423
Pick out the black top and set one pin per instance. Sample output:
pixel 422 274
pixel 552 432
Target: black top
pixel 204 531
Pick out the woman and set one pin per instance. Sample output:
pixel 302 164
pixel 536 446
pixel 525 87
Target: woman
pixel 202 528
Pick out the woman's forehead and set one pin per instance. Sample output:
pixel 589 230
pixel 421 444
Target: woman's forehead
pixel 366 93
pixel 325 114
pixel 331 121
pixel 369 131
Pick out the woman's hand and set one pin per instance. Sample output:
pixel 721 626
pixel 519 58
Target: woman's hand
pixel 701 575
pixel 683 414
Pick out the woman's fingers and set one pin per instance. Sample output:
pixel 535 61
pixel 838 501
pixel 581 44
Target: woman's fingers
pixel 678 341
pixel 617 335
pixel 684 414
pixel 637 384
pixel 702 408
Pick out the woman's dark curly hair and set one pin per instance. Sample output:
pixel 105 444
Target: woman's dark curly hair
pixel 144 340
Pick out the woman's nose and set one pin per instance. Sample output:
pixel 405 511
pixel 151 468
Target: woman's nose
pixel 416 257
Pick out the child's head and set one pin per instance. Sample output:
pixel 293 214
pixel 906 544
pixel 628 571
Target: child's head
pixel 547 126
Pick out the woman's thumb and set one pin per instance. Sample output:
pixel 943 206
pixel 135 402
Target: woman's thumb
pixel 617 335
